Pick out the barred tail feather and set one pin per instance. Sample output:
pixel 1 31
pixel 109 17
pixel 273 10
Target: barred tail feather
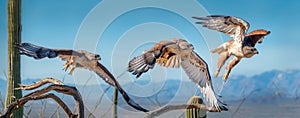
pixel 213 99
pixel 37 52
pixel 141 64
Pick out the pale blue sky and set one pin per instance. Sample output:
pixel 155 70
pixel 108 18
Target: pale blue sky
pixel 56 23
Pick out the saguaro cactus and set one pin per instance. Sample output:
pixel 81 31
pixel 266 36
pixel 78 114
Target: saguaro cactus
pixel 195 112
pixel 14 36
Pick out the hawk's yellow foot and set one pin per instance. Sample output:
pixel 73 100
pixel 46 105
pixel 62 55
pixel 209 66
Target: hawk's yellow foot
pixel 67 65
pixel 165 60
pixel 225 77
pixel 71 70
pixel 162 59
pixel 216 74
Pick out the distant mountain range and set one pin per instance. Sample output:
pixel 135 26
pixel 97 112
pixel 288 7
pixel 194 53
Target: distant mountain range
pixel 272 83
pixel 262 88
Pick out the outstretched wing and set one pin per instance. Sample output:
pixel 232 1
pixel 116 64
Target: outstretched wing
pixel 101 71
pixel 141 64
pixel 176 55
pixel 38 52
pixel 197 70
pixel 232 26
pixel 257 36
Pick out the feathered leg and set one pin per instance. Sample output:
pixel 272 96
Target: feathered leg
pixel 231 64
pixel 222 59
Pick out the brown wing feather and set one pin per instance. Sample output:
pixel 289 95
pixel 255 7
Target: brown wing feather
pixel 197 70
pixel 65 54
pixel 157 54
pixel 169 57
pixel 256 36
pixel 232 26
pixel 102 72
pixel 176 54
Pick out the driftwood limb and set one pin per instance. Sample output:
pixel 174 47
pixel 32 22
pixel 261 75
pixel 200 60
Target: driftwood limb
pixel 39 84
pixel 42 94
pixel 178 107
pixel 24 100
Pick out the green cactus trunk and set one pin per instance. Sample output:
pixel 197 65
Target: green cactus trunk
pixel 194 112
pixel 14 36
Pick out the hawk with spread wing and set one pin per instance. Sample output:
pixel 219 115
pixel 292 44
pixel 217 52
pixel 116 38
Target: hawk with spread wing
pixel 77 59
pixel 242 45
pixel 175 53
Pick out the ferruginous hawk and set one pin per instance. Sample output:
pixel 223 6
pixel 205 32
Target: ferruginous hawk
pixel 77 59
pixel 175 53
pixel 242 45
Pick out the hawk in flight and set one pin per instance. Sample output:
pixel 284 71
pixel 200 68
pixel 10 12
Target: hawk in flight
pixel 77 59
pixel 175 53
pixel 242 45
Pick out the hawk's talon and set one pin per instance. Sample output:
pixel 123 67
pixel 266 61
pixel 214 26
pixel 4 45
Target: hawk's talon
pixel 71 70
pixel 66 66
pixel 225 77
pixel 216 74
pixel 165 60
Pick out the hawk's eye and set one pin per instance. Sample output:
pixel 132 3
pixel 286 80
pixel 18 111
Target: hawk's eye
pixel 97 57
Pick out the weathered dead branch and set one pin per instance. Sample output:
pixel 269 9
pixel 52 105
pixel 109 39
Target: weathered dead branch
pixel 39 84
pixel 42 94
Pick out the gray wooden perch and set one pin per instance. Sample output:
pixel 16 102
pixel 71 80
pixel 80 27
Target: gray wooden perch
pixel 189 105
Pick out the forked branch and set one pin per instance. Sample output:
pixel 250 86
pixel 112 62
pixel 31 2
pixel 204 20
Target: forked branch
pixel 42 94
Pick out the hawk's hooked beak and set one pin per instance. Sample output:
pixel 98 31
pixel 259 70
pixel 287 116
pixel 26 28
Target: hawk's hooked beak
pixel 97 57
pixel 255 51
pixel 260 41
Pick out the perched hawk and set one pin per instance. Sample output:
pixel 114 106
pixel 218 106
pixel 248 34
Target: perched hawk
pixel 177 53
pixel 242 44
pixel 77 59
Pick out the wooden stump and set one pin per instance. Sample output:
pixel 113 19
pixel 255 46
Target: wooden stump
pixel 195 112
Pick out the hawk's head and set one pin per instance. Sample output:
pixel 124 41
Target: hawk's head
pixel 183 44
pixel 90 56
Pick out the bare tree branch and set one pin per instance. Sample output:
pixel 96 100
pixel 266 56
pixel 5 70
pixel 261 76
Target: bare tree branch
pixel 42 94
pixel 24 100
pixel 39 84
pixel 178 107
